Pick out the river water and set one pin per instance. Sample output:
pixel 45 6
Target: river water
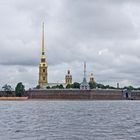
pixel 69 120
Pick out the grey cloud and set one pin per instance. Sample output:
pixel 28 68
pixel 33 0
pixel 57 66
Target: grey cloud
pixel 102 32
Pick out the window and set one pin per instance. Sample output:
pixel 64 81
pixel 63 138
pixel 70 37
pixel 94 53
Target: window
pixel 43 70
pixel 42 59
pixel 44 78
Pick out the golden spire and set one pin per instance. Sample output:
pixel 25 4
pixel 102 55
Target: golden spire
pixel 43 47
pixel 43 72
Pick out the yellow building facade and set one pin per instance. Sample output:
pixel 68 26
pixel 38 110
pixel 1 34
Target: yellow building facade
pixel 91 78
pixel 68 78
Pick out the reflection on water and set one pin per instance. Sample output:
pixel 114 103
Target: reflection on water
pixel 69 120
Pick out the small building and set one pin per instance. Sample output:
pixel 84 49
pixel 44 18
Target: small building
pixel 118 86
pixel 84 84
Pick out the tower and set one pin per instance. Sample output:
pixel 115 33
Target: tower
pixel 43 66
pixel 68 78
pixel 118 86
pixel 91 79
pixel 84 84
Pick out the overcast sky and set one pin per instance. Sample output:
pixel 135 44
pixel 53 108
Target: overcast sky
pixel 104 33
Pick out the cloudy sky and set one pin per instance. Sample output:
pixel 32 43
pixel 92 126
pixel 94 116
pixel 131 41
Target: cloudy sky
pixel 104 33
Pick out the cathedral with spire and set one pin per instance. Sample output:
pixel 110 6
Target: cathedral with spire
pixel 43 66
pixel 43 69
pixel 43 72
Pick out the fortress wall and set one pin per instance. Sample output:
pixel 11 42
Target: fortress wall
pixel 58 94
pixel 106 94
pixel 136 95
pixel 76 94
pixel 98 94
pixel 2 93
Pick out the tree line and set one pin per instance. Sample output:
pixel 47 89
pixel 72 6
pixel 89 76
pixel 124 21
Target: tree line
pixel 9 91
pixel 92 85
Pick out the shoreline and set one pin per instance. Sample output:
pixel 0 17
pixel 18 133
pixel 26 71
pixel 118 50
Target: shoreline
pixel 13 98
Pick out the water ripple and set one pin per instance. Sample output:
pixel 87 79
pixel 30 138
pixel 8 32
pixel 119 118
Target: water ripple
pixel 69 120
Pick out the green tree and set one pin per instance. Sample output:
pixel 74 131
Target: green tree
pixel 48 87
pixel 58 87
pixel 76 85
pixel 129 88
pixel 38 87
pixel 53 87
pixel 7 89
pixel 92 85
pixel 61 86
pixel 101 86
pixel 69 86
pixel 20 90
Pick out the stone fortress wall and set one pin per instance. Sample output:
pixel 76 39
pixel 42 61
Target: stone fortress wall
pixel 76 94
pixel 73 94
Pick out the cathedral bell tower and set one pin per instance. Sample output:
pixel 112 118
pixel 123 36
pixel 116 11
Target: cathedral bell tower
pixel 68 78
pixel 91 79
pixel 43 73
